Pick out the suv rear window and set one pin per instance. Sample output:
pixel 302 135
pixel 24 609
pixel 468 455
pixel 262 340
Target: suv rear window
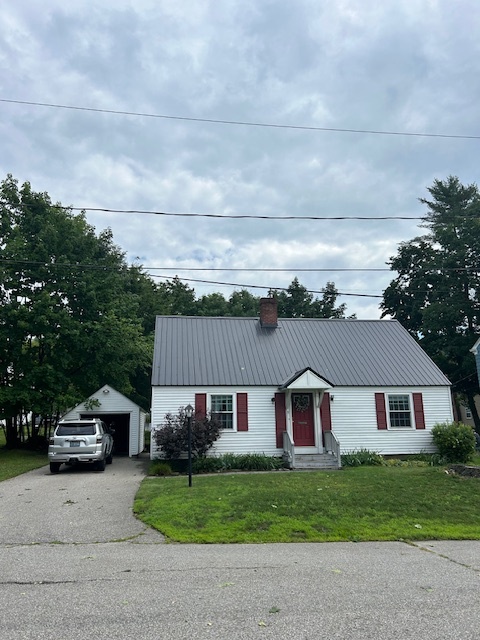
pixel 76 430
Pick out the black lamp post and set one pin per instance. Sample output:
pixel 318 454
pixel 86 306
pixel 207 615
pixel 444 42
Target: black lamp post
pixel 189 414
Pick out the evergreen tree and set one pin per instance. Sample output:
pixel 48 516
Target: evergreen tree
pixel 436 292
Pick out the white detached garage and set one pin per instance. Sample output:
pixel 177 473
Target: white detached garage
pixel 119 413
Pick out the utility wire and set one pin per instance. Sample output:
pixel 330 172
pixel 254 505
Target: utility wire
pixel 79 265
pixel 258 286
pixel 228 284
pixel 242 122
pixel 222 283
pixel 240 216
pixel 244 216
pixel 235 216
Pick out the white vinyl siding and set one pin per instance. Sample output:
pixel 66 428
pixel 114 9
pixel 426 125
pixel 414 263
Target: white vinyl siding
pixel 354 420
pixel 260 437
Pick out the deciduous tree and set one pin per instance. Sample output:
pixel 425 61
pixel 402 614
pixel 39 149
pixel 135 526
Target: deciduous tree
pixel 68 321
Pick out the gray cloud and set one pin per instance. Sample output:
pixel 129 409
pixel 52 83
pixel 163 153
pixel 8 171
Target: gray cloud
pixel 403 66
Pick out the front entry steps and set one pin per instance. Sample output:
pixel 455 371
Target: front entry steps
pixel 315 461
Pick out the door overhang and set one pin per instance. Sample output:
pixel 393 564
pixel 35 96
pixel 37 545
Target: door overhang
pixel 307 379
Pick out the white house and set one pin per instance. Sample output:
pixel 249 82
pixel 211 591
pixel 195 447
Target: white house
pixel 117 411
pixel 299 386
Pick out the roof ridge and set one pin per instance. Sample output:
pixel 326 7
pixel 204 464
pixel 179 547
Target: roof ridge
pixel 282 318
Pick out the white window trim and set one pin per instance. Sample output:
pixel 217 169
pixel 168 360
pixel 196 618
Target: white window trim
pixel 410 407
pixel 468 413
pixel 234 407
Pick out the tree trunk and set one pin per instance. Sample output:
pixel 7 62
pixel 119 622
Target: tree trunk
pixel 11 433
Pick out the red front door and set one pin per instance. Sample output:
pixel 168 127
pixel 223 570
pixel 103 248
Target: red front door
pixel 303 421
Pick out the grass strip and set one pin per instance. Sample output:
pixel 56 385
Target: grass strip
pixel 356 504
pixel 14 462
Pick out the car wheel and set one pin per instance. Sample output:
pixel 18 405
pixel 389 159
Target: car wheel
pixel 109 459
pixel 54 467
pixel 100 465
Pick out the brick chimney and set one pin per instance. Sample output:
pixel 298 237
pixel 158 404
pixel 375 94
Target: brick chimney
pixel 268 313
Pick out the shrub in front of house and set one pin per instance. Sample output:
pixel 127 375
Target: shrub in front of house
pixel 431 459
pixel 362 457
pixel 160 468
pixel 172 437
pixel 207 465
pixel 252 462
pixel 237 462
pixel 455 441
pixel 410 462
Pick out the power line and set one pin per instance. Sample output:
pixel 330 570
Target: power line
pixel 222 283
pixel 147 268
pixel 240 216
pixel 267 270
pixel 243 216
pixel 200 281
pixel 233 216
pixel 258 286
pixel 79 265
pixel 242 122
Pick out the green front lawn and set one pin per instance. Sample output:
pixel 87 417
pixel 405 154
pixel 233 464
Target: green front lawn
pixel 363 503
pixel 13 462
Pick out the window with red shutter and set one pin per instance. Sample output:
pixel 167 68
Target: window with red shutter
pixel 381 411
pixel 242 412
pixel 280 418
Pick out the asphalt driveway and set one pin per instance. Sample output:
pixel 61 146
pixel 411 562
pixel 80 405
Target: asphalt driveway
pixel 78 505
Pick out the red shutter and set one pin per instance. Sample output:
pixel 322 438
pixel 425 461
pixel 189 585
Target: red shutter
pixel 200 405
pixel 381 411
pixel 325 413
pixel 418 411
pixel 242 412
pixel 280 418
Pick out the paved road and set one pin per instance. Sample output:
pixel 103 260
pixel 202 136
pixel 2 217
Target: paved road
pixel 75 565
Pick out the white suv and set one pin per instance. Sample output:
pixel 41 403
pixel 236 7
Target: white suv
pixel 80 441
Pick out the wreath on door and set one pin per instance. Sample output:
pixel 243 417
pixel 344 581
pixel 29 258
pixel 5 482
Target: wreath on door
pixel 301 401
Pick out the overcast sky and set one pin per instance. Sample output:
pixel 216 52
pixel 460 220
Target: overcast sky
pixel 408 66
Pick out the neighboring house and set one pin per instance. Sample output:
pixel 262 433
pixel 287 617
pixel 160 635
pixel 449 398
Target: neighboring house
pixel 476 352
pixel 118 412
pixel 298 386
pixel 465 413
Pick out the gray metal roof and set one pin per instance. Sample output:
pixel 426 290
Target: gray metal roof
pixel 204 351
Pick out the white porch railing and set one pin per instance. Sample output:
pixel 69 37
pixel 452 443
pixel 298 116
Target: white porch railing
pixel 332 445
pixel 288 450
